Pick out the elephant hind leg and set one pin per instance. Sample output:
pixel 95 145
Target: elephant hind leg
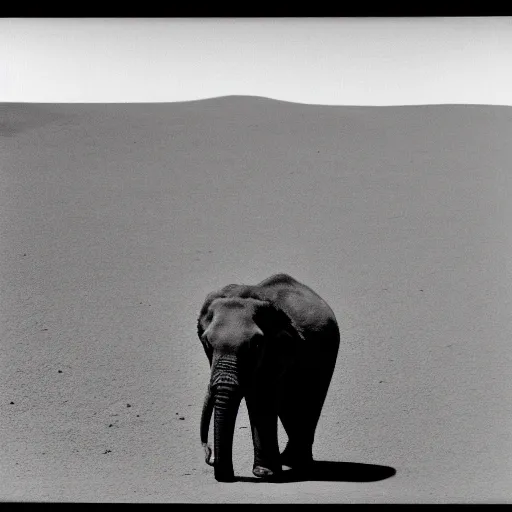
pixel 300 428
pixel 300 408
pixel 299 415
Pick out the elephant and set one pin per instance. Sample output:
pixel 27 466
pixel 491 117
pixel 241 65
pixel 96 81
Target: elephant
pixel 275 344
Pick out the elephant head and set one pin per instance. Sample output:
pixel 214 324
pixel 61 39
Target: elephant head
pixel 249 343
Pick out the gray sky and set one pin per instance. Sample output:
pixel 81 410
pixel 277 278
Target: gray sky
pixel 337 61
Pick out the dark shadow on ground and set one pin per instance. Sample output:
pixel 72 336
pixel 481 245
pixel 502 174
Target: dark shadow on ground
pixel 328 471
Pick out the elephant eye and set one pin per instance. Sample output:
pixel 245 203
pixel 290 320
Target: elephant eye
pixel 205 341
pixel 257 342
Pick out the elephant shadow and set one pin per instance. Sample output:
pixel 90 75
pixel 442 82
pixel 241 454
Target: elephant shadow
pixel 330 471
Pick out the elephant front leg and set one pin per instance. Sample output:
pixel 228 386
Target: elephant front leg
pixel 263 418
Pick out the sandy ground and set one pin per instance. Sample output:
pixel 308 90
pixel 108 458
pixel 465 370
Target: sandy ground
pixel 117 220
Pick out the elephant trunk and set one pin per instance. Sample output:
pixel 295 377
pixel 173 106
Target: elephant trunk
pixel 227 403
pixel 227 395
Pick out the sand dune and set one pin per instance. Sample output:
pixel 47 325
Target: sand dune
pixel 116 220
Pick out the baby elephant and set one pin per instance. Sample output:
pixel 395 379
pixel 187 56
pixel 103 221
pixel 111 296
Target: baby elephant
pixel 274 344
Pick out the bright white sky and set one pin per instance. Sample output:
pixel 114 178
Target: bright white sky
pixel 333 61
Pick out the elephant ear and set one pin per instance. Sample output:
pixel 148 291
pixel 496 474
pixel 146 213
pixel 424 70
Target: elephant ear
pixel 202 323
pixel 207 347
pixel 275 323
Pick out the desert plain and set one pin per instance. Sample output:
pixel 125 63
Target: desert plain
pixel 117 220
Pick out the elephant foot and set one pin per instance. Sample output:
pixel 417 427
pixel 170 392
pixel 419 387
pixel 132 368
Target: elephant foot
pixel 224 476
pixel 266 473
pixel 296 461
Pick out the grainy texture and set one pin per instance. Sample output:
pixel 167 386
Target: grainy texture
pixel 117 220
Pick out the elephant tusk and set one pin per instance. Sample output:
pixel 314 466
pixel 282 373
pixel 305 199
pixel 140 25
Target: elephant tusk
pixel 208 454
pixel 205 423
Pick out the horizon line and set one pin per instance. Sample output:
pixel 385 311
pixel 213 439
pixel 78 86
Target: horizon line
pixel 247 97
